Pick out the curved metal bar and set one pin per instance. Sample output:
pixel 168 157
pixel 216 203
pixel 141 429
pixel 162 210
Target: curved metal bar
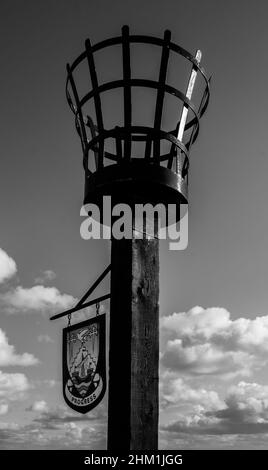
pixel 120 133
pixel 78 112
pixel 137 82
pixel 202 108
pixel 110 156
pixel 169 89
pixel 128 132
pixel 144 83
pixel 148 131
pixel 135 39
pixel 140 39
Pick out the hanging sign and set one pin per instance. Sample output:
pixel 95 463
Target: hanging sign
pixel 84 364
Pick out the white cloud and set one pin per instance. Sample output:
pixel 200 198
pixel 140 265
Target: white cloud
pixel 39 405
pixel 73 431
pixel 55 417
pixel 203 322
pixel 37 298
pixel 245 411
pixel 207 342
pixel 46 276
pixel 3 408
pixel 8 356
pixel 57 428
pixel 7 266
pixel 247 402
pixel 65 436
pixel 44 339
pixel 13 386
pixel 10 426
pixel 177 392
pixel 83 314
pixel 50 383
pixel 208 359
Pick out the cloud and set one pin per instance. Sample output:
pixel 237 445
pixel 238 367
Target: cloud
pixel 50 383
pixel 57 428
pixel 8 356
pixel 186 441
pixel 3 408
pixel 175 391
pixel 245 411
pixel 208 359
pixel 207 342
pixel 69 436
pixel 44 339
pixel 36 298
pixel 83 314
pixel 13 386
pixel 7 266
pixel 46 276
pixel 53 418
pixel 39 405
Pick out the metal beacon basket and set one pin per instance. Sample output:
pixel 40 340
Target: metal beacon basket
pixel 153 175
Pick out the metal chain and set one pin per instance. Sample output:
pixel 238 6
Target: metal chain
pixel 97 309
pixel 69 319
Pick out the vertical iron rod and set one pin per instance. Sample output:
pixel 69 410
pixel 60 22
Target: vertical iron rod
pixel 161 92
pixel 127 91
pixel 97 100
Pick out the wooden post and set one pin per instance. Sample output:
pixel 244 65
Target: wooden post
pixel 134 345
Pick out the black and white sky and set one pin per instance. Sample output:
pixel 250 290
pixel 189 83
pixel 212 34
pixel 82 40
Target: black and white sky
pixel 213 302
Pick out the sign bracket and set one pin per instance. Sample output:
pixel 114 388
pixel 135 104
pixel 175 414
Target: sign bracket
pixel 82 304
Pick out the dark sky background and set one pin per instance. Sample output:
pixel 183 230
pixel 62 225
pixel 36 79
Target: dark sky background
pixel 41 174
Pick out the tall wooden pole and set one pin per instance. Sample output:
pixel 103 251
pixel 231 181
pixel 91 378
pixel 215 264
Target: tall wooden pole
pixel 134 345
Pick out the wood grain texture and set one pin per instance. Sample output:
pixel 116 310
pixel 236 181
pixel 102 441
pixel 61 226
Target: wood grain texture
pixel 134 345
pixel 144 344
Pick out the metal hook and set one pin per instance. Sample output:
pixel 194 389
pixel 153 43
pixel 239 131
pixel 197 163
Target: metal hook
pixel 97 309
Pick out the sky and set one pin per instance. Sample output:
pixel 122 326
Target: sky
pixel 213 295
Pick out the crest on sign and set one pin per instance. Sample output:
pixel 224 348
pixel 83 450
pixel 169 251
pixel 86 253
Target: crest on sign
pixel 84 364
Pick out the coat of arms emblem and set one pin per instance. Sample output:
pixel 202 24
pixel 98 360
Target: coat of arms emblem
pixel 84 369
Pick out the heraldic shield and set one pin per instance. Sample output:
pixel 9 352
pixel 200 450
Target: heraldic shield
pixel 84 364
